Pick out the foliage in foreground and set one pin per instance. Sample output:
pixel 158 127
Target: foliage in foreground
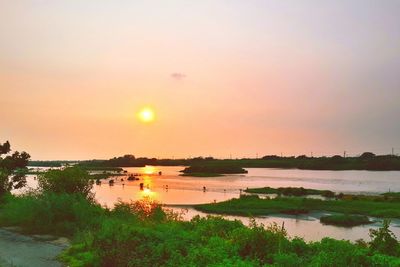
pixel 60 214
pixel 142 234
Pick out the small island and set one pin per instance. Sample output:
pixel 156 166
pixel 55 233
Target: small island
pixel 345 220
pixel 211 170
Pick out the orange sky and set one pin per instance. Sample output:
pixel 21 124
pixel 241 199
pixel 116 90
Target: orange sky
pixel 223 77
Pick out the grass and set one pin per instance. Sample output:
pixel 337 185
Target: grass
pixel 345 220
pixel 254 206
pixel 290 191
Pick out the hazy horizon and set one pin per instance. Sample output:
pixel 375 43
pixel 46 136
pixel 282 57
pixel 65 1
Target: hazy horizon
pixel 223 78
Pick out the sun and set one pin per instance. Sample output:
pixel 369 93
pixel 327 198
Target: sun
pixel 146 115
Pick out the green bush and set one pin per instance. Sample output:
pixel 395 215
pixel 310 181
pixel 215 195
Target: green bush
pixel 384 241
pixel 72 180
pixel 62 214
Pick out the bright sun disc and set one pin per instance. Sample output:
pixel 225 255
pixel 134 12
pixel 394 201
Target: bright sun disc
pixel 146 115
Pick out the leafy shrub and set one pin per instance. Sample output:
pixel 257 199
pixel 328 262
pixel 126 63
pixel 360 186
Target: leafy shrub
pixel 384 241
pixel 62 214
pixel 72 180
pixel 144 209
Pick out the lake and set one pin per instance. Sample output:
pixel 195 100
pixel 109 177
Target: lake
pixel 172 189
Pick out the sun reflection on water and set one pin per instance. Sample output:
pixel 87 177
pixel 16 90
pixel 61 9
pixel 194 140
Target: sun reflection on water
pixel 147 194
pixel 149 170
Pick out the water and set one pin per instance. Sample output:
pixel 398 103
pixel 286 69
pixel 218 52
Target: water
pixel 172 189
pixel 189 190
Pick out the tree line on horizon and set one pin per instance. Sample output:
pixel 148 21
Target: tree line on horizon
pixel 366 161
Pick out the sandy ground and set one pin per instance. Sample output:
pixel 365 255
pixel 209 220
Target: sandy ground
pixel 30 251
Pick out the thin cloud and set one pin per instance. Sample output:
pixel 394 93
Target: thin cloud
pixel 178 76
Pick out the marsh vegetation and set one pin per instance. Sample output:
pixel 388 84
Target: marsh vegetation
pixel 252 205
pixel 142 233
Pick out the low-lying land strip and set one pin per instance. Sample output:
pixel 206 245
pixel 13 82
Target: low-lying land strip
pixel 252 205
pixel 290 191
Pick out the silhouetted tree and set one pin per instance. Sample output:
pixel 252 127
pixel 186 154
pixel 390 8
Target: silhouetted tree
pixel 271 157
pixel 367 155
pixel 12 168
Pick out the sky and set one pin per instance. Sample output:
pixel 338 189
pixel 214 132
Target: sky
pixel 224 78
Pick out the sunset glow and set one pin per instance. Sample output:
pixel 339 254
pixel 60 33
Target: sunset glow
pixel 109 79
pixel 146 115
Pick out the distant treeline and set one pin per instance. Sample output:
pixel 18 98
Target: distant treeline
pixel 50 163
pixel 367 161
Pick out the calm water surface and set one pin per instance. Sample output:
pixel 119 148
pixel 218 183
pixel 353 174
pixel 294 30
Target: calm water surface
pixel 172 189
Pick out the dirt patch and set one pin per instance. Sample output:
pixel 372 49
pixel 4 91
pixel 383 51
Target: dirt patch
pixel 30 251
